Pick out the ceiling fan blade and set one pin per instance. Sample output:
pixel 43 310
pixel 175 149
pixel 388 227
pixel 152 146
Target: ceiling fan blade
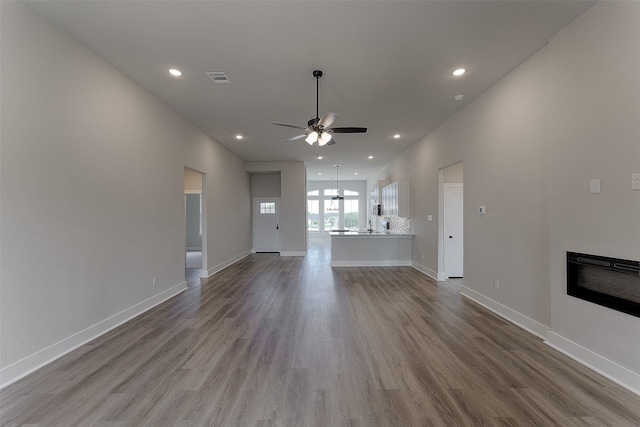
pixel 348 130
pixel 327 119
pixel 294 138
pixel 288 125
pixel 332 142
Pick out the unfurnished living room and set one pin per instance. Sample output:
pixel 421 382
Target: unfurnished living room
pixel 319 213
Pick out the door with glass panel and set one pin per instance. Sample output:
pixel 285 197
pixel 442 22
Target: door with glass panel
pixel 266 225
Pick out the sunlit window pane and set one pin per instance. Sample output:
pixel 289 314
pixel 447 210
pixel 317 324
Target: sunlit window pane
pixel 351 214
pixel 267 208
pixel 313 215
pixel 331 214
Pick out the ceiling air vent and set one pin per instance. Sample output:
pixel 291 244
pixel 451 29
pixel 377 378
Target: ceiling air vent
pixel 218 77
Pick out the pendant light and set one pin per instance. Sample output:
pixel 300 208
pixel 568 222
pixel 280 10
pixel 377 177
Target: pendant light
pixel 337 196
pixel 333 206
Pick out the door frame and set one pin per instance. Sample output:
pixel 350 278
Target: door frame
pixel 254 208
pixel 204 270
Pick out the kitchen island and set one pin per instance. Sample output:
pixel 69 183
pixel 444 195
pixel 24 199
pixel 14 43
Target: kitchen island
pixel 362 249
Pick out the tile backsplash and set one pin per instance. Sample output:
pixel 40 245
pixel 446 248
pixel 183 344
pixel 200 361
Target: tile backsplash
pixel 398 225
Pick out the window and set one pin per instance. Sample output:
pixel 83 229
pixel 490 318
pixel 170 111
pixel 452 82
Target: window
pixel 267 207
pixel 326 214
pixel 331 214
pixel 351 214
pixel 313 215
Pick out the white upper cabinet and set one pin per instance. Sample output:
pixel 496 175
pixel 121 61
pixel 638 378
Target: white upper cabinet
pixel 395 199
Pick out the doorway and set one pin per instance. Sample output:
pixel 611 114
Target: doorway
pixel 451 225
pixel 195 221
pixel 266 224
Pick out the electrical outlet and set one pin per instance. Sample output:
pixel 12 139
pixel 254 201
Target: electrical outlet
pixel 155 280
pixel 635 181
pixel 496 285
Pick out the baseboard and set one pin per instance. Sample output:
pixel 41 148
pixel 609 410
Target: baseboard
pixel 293 253
pixel 501 310
pixel 29 364
pixel 379 263
pixel 605 367
pixel 426 270
pixel 213 270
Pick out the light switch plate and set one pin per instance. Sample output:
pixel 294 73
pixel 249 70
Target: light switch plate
pixel 429 217
pixel 635 181
pixel 594 186
pixel 482 210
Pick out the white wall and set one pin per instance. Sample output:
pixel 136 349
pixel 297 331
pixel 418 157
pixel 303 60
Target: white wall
pixel 502 138
pixel 530 144
pixel 595 122
pixel 92 190
pixel 265 185
pixel 293 193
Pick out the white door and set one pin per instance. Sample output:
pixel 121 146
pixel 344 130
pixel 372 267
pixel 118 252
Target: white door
pixel 266 225
pixel 453 230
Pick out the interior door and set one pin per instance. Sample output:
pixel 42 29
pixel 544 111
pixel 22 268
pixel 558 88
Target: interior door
pixel 266 225
pixel 453 230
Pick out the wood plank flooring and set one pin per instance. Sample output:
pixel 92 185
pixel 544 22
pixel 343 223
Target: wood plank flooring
pixel 289 341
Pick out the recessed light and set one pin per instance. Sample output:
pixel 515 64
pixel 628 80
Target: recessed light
pixel 396 136
pixel 370 157
pixel 355 173
pixel 320 157
pixel 319 173
pixel 459 97
pixel 175 72
pixel 239 136
pixel 459 72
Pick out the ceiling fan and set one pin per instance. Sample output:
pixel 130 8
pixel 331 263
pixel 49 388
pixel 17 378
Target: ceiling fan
pixel 317 129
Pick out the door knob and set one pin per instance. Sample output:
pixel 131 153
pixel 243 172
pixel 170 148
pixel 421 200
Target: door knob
pixel 451 237
pixel 277 226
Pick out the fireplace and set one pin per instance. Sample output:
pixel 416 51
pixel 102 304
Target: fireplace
pixel 610 282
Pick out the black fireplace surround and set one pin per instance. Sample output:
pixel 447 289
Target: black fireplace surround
pixel 610 282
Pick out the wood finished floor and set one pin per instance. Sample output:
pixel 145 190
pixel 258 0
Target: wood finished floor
pixel 289 341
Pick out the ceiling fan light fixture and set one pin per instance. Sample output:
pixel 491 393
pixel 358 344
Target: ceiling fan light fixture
pixel 324 138
pixel 313 137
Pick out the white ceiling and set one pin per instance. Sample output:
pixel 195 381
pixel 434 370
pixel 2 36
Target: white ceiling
pixel 387 64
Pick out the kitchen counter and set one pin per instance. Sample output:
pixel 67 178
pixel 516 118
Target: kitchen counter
pixel 361 249
pixel 367 234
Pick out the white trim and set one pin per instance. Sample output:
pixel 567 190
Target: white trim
pixel 35 361
pixel 426 270
pixel 605 367
pixel 501 310
pixel 193 191
pixel 293 253
pixel 378 263
pixel 213 270
pixel 194 249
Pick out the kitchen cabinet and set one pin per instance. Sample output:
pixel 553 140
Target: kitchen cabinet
pixel 376 195
pixel 395 199
pixel 370 250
